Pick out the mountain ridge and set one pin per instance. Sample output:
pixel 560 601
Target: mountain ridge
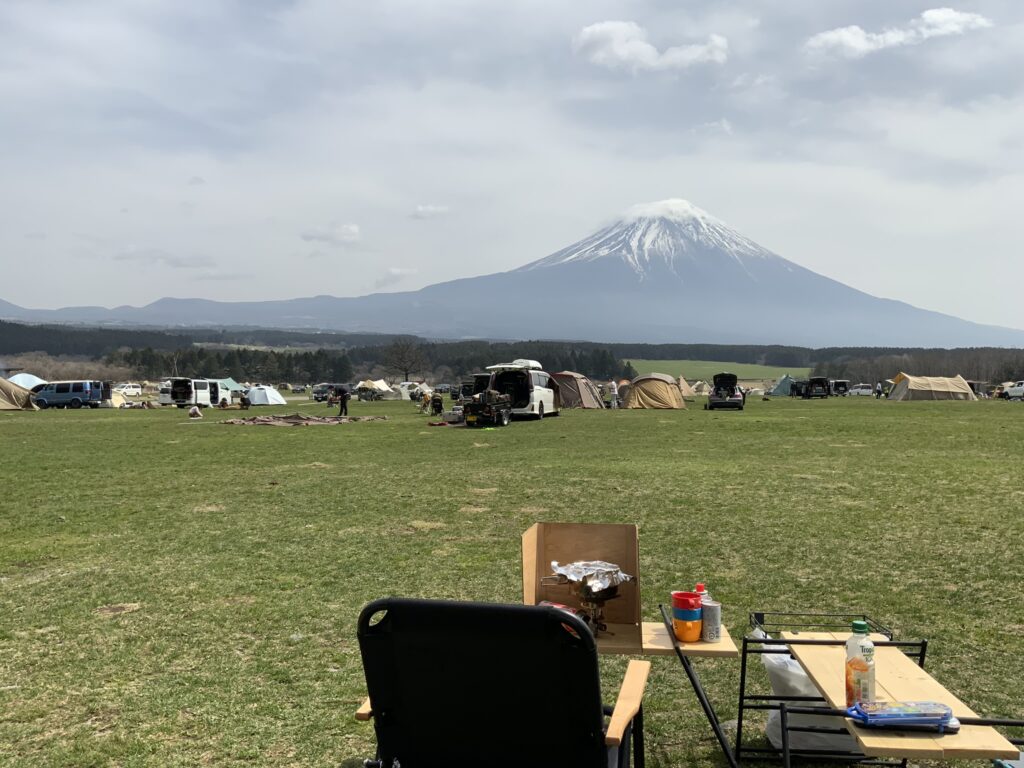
pixel 664 272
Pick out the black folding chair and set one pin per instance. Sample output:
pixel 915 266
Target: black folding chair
pixel 458 684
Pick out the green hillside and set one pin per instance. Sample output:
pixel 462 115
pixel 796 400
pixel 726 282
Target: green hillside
pixel 705 369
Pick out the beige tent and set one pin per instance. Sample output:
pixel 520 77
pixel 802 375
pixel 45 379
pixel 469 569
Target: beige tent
pixel 655 390
pixel 15 398
pixel 577 390
pixel 685 389
pixel 906 387
pixel 701 387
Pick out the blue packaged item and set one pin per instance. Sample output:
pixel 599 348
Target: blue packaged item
pixel 914 715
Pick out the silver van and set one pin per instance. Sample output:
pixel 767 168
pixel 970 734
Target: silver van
pixel 68 394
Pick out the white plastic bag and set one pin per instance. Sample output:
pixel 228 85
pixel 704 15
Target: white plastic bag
pixel 788 678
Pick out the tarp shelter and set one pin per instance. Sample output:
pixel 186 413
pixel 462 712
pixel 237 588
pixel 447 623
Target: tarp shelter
pixel 229 384
pixel 26 380
pixel 906 387
pixel 685 389
pixel 701 387
pixel 15 398
pixel 377 386
pixel 782 386
pixel 655 390
pixel 577 390
pixel 262 395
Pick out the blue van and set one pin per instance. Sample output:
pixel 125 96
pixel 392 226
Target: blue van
pixel 68 394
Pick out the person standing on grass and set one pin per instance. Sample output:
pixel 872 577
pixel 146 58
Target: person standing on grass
pixel 343 398
pixel 878 390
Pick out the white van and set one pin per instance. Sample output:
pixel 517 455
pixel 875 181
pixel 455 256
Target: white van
pixel 129 389
pixel 202 392
pixel 533 392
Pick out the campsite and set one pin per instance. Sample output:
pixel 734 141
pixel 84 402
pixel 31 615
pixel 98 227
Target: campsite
pixel 192 598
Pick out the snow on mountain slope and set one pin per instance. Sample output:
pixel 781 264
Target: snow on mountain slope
pixel 661 234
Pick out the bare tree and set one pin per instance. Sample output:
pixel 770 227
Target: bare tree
pixel 404 357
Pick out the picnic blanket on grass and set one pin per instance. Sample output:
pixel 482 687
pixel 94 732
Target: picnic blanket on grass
pixel 301 420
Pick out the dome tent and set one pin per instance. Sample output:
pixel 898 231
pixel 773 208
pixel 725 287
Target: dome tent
pixel 263 395
pixel 577 390
pixel 654 390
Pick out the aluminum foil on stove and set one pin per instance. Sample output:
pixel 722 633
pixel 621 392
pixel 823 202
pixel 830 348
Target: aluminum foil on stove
pixel 597 574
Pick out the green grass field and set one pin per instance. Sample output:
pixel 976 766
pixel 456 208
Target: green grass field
pixel 706 369
pixel 240 557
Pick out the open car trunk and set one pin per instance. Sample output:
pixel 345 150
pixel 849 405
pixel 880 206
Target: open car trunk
pixel 516 384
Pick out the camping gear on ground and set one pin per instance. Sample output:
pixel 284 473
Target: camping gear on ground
pixel 911 715
pixel 488 407
pixel 686 616
pixel 300 420
pixel 14 397
pixel 594 582
pixel 484 684
pixel 907 387
pixel 654 390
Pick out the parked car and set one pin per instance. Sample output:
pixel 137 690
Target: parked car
pixel 1016 392
pixel 471 385
pixel 299 389
pixel 532 391
pixel 817 386
pixel 68 394
pixel 725 393
pixel 840 387
pixel 862 390
pixel 129 389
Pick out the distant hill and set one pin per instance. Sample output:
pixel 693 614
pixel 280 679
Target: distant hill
pixel 665 272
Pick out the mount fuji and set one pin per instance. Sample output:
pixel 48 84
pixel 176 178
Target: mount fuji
pixel 664 272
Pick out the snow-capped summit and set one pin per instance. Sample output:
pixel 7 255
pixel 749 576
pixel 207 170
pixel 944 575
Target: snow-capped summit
pixel 653 235
pixel 674 209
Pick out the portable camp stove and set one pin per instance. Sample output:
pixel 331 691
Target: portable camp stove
pixel 594 584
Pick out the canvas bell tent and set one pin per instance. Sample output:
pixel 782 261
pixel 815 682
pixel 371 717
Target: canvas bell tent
pixel 907 387
pixel 782 386
pixel 15 398
pixel 685 389
pixel 655 390
pixel 577 390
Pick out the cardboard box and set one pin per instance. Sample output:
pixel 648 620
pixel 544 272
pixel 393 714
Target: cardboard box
pixel 569 542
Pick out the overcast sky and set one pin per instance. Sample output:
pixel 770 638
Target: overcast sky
pixel 265 150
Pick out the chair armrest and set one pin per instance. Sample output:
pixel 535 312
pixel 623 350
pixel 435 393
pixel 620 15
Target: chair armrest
pixel 631 696
pixel 364 712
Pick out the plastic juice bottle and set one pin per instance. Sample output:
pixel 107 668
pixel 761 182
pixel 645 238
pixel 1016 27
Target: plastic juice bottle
pixel 860 665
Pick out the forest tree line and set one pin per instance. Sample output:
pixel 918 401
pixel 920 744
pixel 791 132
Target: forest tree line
pixel 303 356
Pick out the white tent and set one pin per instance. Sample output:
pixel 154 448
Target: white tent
pixel 26 380
pixel 261 395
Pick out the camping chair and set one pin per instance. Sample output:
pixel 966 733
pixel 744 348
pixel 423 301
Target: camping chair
pixel 455 684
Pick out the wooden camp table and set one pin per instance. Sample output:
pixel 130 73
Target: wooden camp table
pixel 897 678
pixel 656 640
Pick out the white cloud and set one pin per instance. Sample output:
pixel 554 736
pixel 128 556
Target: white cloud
pixel 393 276
pixel 623 45
pixel 334 234
pixel 160 256
pixel 854 43
pixel 429 211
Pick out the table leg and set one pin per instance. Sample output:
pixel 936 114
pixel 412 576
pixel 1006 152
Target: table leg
pixel 702 697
